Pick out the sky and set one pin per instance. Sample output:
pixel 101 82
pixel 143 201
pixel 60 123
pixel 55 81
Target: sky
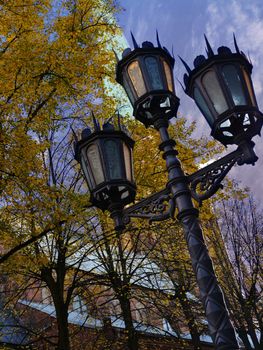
pixel 181 25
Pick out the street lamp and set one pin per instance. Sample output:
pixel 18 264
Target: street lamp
pixel 146 74
pixel 222 88
pixel 106 161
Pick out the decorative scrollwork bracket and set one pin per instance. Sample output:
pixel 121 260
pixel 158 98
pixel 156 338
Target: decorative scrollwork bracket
pixel 203 184
pixel 206 181
pixel 157 207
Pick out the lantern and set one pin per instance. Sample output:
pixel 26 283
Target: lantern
pixel 146 74
pixel 106 161
pixel 221 87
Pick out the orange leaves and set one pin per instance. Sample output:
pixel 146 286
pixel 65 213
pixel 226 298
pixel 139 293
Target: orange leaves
pixel 63 50
pixel 52 64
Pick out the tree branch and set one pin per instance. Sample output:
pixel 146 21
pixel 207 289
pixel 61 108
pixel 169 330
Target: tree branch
pixel 31 240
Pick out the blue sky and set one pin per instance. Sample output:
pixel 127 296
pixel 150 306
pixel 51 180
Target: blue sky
pixel 181 24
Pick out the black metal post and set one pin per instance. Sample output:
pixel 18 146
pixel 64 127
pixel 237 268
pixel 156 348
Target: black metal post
pixel 220 326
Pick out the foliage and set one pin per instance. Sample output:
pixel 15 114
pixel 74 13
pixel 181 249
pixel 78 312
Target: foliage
pixel 237 241
pixel 54 61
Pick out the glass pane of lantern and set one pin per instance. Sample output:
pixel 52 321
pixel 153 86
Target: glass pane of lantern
pixel 168 76
pixel 128 162
pixel 154 73
pixel 128 91
pixel 249 87
pixel 201 103
pixel 113 159
pixel 214 91
pixel 95 163
pixel 85 167
pixel 233 82
pixel 137 79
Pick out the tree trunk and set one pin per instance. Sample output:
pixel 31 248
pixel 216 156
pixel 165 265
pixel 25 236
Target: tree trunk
pixel 132 341
pixel 56 288
pixel 63 332
pixel 190 322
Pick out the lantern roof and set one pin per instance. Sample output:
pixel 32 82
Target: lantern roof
pixel 107 129
pixel 147 47
pixel 201 62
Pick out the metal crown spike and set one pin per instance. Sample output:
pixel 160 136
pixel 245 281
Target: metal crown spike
pixel 157 39
pixel 180 84
pixel 116 56
pixel 235 43
pixel 136 46
pixel 210 52
pixel 185 65
pixel 186 79
pixel 95 122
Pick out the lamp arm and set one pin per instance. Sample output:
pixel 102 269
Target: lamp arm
pixel 205 182
pixel 157 207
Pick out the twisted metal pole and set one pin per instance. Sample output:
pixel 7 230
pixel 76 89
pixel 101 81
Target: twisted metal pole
pixel 220 326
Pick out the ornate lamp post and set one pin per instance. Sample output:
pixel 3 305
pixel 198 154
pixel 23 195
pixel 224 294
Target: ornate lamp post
pixel 222 88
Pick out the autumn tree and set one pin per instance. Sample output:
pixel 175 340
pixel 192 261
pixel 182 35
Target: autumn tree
pixel 53 64
pixel 237 242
